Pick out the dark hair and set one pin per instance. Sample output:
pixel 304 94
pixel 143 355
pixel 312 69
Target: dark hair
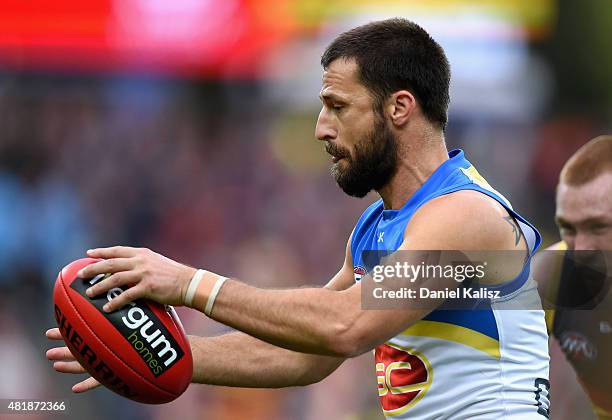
pixel 396 54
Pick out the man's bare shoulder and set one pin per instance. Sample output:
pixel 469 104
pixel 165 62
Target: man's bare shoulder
pixel 467 220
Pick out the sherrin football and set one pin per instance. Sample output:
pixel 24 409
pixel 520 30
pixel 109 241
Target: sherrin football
pixel 139 351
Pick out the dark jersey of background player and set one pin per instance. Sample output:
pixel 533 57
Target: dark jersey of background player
pixel 584 217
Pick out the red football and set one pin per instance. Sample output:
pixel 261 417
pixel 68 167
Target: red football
pixel 139 351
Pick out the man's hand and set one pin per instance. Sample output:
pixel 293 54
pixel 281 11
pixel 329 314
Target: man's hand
pixel 64 361
pixel 151 275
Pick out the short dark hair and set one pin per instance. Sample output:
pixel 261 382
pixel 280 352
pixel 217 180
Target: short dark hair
pixel 396 54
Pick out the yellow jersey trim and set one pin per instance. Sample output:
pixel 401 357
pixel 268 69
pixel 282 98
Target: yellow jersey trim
pixel 456 333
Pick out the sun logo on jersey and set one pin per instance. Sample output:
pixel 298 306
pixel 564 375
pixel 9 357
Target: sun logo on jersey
pixel 359 272
pixel 403 376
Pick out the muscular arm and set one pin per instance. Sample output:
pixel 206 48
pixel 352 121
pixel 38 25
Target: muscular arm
pixel 332 323
pixel 320 321
pixel 237 359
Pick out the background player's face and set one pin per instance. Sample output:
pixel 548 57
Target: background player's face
pixel 584 214
pixel 362 146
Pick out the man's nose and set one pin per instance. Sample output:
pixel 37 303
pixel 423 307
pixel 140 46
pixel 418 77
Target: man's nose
pixel 325 129
pixel 584 242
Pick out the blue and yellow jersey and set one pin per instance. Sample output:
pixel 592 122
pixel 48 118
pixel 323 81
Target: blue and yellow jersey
pixel 485 363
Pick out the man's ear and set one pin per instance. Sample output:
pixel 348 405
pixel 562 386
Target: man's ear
pixel 400 107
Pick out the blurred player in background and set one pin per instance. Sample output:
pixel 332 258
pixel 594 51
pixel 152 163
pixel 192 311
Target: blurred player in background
pixel 385 97
pixel 584 217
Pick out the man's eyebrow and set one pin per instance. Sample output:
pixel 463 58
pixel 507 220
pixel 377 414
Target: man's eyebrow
pixel 330 96
pixel 596 220
pixel 593 220
pixel 561 221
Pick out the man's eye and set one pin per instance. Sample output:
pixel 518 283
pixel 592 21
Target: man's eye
pixel 599 229
pixel 337 107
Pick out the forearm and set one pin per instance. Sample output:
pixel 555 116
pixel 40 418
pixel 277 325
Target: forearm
pixel 239 360
pixel 313 320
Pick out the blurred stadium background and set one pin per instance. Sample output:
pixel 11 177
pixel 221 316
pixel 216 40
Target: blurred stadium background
pixel 187 126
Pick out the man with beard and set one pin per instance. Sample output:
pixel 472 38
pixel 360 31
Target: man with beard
pixel 385 96
pixel 581 323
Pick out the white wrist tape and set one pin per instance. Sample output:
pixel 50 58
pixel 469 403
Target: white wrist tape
pixel 193 286
pixel 213 295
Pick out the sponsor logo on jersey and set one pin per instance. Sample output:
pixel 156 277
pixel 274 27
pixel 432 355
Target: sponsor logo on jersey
pixel 359 272
pixel 577 346
pixel 403 376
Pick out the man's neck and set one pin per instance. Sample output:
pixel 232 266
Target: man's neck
pixel 415 166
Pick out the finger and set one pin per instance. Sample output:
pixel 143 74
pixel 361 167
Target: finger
pixel 69 367
pixel 118 279
pixel 124 298
pixel 86 385
pixel 60 353
pixel 112 252
pixel 53 334
pixel 113 265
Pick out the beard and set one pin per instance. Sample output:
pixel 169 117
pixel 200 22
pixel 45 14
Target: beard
pixel 372 164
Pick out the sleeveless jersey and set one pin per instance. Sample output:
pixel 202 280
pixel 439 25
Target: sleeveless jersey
pixel 585 336
pixel 489 363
